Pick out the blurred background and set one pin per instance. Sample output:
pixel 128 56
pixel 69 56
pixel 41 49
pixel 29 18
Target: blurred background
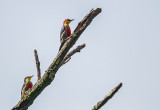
pixel 122 45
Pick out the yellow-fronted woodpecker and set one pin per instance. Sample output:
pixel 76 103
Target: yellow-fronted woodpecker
pixel 26 86
pixel 65 32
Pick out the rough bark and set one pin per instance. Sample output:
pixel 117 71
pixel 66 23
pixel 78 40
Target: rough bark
pixel 49 74
pixel 37 65
pixel 107 97
pixel 68 56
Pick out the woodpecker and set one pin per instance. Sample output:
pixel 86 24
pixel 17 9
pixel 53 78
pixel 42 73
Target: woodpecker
pixel 26 86
pixel 65 32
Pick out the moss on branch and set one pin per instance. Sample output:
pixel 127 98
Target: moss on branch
pixel 49 75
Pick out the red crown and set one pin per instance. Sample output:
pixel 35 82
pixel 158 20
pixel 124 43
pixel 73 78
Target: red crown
pixel 64 21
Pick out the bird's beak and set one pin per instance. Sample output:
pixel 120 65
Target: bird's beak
pixel 71 19
pixel 31 76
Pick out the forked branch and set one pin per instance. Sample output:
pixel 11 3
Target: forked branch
pixel 49 74
pixel 68 56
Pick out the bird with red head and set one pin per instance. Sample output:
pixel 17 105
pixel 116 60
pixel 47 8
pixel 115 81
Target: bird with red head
pixel 65 32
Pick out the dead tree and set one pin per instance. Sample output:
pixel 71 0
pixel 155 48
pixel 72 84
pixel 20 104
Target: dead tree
pixel 61 58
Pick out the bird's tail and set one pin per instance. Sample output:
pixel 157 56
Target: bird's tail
pixel 61 45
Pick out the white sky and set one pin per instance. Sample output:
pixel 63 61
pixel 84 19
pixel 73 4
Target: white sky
pixel 122 45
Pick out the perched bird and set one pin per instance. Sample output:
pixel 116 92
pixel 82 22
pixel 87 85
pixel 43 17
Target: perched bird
pixel 26 86
pixel 65 32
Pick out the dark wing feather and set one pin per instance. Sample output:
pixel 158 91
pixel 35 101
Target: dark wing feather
pixel 62 30
pixel 22 89
pixel 63 35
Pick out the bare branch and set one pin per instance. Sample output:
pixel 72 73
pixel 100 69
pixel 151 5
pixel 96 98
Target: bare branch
pixel 37 65
pixel 68 56
pixel 107 97
pixel 49 75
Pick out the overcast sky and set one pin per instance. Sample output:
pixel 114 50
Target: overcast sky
pixel 122 45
